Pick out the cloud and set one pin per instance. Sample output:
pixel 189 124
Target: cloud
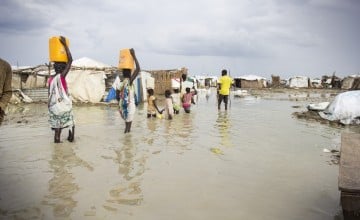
pixel 22 16
pixel 250 29
pixel 258 35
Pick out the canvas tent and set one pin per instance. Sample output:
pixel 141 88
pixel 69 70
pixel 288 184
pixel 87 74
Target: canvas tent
pixel 345 108
pixel 299 82
pixel 88 63
pixel 315 83
pixel 86 81
pixel 146 82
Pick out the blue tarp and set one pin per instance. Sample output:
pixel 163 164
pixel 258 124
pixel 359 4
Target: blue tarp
pixel 111 95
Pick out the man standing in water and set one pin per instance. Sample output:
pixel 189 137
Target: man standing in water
pixel 5 87
pixel 224 85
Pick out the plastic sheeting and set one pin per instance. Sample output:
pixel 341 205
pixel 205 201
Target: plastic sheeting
pixel 190 82
pixel 86 85
pixel 111 95
pixel 251 77
pixel 89 63
pixel 240 93
pixel 299 82
pixel 345 108
pixel 318 106
pixel 147 81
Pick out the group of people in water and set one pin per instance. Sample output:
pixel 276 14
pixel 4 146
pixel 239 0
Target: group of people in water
pixel 173 102
pixel 60 105
pixel 126 96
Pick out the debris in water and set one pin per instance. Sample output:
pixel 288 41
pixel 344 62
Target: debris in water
pixel 216 151
pixel 326 150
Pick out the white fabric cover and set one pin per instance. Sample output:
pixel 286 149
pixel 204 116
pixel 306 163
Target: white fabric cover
pixel 86 62
pixel 299 82
pixel 251 77
pixel 86 85
pixel 345 107
pixel 318 106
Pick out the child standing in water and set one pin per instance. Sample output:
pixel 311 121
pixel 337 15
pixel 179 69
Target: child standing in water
pixel 176 100
pixel 188 99
pixel 152 108
pixel 169 107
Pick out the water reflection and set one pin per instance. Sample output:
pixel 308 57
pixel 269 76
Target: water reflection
pixel 62 187
pixel 185 131
pixel 168 133
pixel 223 124
pixel 110 115
pixel 177 132
pixel 152 124
pixel 131 167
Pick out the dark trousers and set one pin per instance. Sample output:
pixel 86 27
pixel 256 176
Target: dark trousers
pixel 224 98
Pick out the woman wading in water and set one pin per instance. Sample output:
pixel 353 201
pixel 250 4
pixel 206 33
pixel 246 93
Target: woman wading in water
pixel 59 103
pixel 126 93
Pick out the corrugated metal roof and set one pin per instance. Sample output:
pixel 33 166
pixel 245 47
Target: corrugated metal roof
pixel 37 95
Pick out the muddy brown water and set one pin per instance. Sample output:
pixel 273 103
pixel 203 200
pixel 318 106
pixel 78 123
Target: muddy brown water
pixel 255 161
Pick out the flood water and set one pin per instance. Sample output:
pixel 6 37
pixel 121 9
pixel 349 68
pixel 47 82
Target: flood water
pixel 254 161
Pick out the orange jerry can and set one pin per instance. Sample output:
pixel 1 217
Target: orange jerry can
pixel 126 61
pixel 57 51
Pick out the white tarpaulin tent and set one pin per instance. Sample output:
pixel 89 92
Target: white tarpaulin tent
pixel 87 84
pixel 345 108
pixel 299 82
pixel 89 63
pixel 251 77
pixel 147 81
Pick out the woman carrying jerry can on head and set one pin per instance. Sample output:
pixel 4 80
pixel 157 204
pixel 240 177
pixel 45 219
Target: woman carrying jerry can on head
pixel 59 103
pixel 126 89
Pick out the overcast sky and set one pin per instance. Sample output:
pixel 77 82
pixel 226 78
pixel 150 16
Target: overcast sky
pixel 261 37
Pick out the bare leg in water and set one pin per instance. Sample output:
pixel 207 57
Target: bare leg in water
pixel 57 135
pixel 127 127
pixel 71 134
